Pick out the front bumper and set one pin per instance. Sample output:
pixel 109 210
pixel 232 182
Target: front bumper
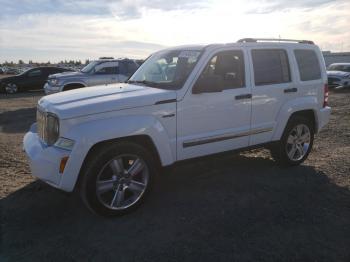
pixel 44 160
pixel 51 89
pixel 323 117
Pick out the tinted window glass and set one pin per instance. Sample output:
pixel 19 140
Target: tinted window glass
pixel 308 64
pixel 228 69
pixel 271 66
pixel 35 72
pixel 123 69
pixel 344 68
pixel 54 70
pixel 132 67
pixel 108 70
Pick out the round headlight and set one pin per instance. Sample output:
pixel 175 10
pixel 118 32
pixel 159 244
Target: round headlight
pixel 53 81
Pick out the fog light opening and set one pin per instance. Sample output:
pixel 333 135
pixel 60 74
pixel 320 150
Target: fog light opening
pixel 63 164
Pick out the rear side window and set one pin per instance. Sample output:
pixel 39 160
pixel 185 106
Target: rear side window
pixel 127 68
pixel 271 66
pixel 132 67
pixel 308 64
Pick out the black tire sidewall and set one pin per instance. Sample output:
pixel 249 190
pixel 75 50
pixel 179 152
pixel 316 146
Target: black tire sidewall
pixel 88 185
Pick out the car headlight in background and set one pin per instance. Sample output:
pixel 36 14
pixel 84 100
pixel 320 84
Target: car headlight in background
pixel 65 143
pixel 54 81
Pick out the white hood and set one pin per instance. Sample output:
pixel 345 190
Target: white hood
pixel 99 99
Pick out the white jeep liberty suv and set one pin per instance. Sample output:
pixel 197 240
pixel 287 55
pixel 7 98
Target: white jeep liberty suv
pixel 183 102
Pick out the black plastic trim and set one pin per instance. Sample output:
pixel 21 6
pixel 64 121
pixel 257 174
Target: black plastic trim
pixel 165 101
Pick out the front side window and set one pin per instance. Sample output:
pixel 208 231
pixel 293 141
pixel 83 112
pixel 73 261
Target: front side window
pixel 167 69
pixel 36 72
pixel 110 70
pixel 226 68
pixel 271 66
pixel 308 64
pixel 106 68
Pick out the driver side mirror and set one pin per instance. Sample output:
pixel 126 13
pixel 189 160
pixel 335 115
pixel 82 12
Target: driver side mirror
pixel 207 84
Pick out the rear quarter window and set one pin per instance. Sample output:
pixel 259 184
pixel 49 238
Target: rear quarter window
pixel 271 66
pixel 308 64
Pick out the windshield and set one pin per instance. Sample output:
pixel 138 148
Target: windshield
pixel 89 67
pixel 344 68
pixel 25 71
pixel 167 69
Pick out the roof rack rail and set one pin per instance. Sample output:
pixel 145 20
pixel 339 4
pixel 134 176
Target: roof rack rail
pixel 255 40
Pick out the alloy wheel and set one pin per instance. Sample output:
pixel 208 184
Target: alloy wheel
pixel 298 142
pixel 122 181
pixel 11 88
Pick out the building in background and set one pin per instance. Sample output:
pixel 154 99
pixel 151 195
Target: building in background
pixel 341 57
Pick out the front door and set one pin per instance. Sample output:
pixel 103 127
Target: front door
pixel 216 119
pixel 104 73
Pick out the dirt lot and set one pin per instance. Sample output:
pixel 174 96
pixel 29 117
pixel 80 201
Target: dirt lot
pixel 230 208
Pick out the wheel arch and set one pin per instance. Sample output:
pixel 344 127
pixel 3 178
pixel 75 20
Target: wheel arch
pixel 92 135
pixel 71 86
pixel 305 107
pixel 308 114
pixel 142 139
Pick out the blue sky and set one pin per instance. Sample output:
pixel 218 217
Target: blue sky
pixel 87 29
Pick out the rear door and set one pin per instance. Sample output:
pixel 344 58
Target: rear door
pixel 272 87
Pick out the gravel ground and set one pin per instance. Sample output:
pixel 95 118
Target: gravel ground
pixel 239 207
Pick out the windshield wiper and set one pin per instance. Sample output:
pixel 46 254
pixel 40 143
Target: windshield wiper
pixel 144 82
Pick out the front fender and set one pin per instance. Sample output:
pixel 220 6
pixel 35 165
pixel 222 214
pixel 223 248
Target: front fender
pixel 90 133
pixel 292 106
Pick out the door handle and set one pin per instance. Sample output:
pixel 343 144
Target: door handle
pixel 290 90
pixel 245 96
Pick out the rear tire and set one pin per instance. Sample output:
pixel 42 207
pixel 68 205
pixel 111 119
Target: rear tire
pixel 117 178
pixel 296 142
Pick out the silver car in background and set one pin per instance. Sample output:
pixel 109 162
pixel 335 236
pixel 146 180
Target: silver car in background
pixel 339 75
pixel 99 72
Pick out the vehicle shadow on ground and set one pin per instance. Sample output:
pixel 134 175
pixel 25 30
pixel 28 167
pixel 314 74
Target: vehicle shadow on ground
pixel 214 209
pixel 17 121
pixel 22 95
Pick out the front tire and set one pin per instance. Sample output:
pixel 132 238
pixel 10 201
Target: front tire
pixel 11 88
pixel 296 142
pixel 117 179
